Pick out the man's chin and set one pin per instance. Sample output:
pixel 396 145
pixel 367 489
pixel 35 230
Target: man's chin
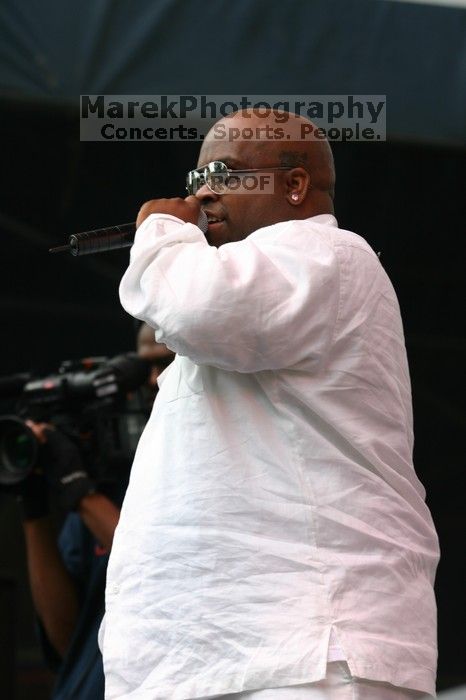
pixel 217 233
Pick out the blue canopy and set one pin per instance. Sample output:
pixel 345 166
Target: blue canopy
pixel 413 53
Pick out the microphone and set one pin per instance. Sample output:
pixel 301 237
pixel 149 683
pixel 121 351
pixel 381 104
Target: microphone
pixel 102 239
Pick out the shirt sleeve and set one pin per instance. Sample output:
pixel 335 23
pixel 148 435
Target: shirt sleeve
pixel 75 544
pixel 265 303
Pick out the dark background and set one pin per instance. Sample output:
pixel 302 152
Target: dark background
pixel 405 196
pixel 406 200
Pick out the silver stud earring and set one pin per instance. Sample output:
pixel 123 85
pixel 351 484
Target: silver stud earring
pixel 295 196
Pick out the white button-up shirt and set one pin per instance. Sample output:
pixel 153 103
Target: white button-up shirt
pixel 272 499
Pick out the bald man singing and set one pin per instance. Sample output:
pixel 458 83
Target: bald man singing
pixel 274 542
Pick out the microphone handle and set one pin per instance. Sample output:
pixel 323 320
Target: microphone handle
pixel 102 239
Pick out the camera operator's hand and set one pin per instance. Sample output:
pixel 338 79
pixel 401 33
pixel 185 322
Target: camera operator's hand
pixel 64 467
pixel 32 492
pixel 32 495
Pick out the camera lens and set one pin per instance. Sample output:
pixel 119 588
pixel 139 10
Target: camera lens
pixel 18 448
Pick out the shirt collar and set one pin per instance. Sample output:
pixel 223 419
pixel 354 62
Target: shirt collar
pixel 324 219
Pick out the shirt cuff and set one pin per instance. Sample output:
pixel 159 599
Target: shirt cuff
pixel 165 229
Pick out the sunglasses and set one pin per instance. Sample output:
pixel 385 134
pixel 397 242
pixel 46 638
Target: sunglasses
pixel 220 178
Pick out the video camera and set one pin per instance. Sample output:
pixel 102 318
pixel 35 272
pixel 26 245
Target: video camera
pixel 97 402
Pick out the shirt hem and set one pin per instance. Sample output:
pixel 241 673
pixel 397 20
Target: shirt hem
pixel 194 691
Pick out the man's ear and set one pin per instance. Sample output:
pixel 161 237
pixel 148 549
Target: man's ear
pixel 297 182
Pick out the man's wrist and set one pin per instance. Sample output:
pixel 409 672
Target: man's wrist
pixel 32 511
pixel 32 498
pixel 73 488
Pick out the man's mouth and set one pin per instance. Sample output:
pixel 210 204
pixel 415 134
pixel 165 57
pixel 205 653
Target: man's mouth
pixel 212 220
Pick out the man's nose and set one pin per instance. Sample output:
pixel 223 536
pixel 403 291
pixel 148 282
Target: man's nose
pixel 205 194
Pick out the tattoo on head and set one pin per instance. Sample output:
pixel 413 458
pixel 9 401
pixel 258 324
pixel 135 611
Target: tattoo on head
pixel 293 159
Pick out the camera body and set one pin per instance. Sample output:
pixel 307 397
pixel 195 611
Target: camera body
pixel 99 403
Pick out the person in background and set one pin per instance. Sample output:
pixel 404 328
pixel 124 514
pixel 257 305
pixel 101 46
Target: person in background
pixel 67 575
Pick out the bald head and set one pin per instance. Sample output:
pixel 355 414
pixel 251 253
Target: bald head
pixel 280 137
pixel 298 165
